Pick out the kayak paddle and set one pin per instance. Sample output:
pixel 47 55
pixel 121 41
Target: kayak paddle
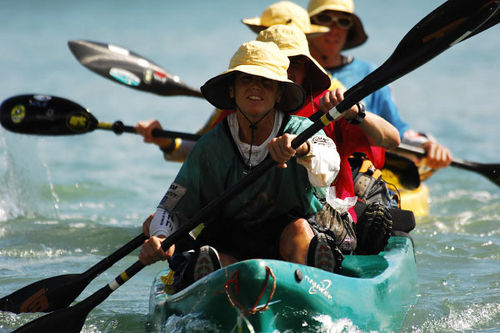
pixel 490 171
pixel 441 29
pixel 128 68
pixel 28 114
pixel 59 291
pixel 51 115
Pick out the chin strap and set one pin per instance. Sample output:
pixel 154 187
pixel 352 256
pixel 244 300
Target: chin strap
pixel 253 127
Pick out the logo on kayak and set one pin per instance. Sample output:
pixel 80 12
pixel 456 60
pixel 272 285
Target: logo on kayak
pixel 77 122
pixel 319 287
pixel 18 113
pixel 125 77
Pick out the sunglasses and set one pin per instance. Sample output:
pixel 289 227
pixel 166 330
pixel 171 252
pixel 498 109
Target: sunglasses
pixel 326 19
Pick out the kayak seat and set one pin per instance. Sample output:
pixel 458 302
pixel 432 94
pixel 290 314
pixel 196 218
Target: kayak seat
pixel 363 266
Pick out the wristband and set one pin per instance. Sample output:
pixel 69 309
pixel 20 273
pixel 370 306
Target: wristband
pixel 170 148
pixel 360 116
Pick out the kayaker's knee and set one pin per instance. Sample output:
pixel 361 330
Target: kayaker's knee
pixel 294 241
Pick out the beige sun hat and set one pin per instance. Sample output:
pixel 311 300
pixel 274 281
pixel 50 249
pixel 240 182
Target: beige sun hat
pixel 261 59
pixel 284 12
pixel 357 34
pixel 292 42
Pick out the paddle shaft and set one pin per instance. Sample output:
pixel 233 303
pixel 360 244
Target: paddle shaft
pixel 420 152
pixel 114 257
pixel 118 128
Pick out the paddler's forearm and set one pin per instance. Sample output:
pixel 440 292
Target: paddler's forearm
pixel 379 131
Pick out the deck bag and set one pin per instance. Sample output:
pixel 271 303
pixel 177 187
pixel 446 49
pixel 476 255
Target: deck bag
pixel 375 201
pixel 335 221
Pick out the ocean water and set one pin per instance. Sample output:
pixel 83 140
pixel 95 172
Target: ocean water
pixel 67 202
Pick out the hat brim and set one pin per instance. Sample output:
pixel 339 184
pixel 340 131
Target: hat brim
pixel 318 77
pixel 256 26
pixel 356 35
pixel 216 90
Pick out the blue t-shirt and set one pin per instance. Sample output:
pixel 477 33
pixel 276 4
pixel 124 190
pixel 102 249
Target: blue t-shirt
pixel 380 102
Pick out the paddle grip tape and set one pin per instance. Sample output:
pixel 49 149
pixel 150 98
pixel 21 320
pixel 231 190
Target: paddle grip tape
pixel 332 115
pixel 113 285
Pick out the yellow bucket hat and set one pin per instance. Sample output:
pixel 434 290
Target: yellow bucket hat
pixel 292 42
pixel 284 12
pixel 261 59
pixel 357 34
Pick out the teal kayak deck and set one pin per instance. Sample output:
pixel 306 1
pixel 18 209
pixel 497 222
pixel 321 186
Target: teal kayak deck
pixel 373 291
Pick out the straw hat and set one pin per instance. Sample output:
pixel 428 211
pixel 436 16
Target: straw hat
pixel 284 12
pixel 356 35
pixel 292 42
pixel 260 59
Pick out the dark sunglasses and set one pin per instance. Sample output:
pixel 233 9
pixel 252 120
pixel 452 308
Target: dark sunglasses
pixel 327 19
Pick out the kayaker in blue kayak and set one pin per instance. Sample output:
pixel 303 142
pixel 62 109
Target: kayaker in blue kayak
pixel 346 32
pixel 269 219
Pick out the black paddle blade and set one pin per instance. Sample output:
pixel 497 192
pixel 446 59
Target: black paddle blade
pixel 68 320
pixel 46 295
pixel 404 169
pixel 128 68
pixel 450 23
pixel 490 171
pixel 45 115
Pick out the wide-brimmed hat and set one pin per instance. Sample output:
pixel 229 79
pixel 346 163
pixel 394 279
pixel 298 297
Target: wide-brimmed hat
pixel 284 12
pixel 356 35
pixel 292 42
pixel 261 59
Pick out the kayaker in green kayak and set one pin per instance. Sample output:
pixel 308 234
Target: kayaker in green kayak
pixel 269 219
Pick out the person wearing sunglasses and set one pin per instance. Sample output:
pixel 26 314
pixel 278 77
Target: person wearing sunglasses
pixel 347 32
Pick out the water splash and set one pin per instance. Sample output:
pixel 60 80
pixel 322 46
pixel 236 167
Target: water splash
pixel 461 320
pixel 343 325
pixel 189 323
pixel 23 179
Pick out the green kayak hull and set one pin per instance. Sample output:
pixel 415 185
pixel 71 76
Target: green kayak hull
pixel 373 292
